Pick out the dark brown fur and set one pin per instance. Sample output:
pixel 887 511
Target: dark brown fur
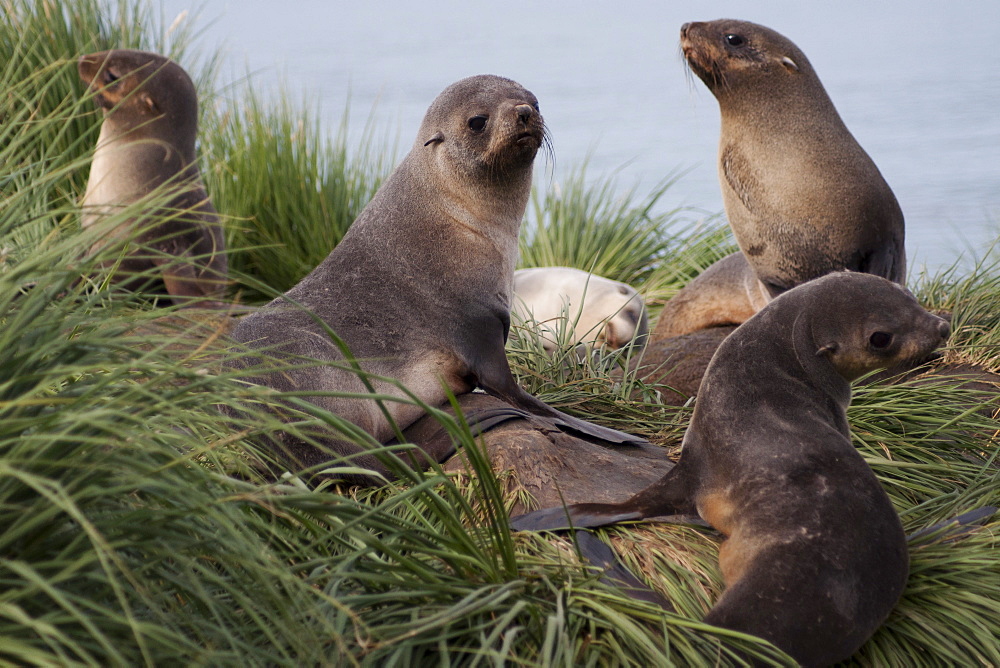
pixel 815 556
pixel 420 286
pixel 802 196
pixel 679 362
pixel 147 145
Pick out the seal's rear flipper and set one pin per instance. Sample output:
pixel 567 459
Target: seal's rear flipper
pixel 957 526
pixel 578 515
pixel 601 556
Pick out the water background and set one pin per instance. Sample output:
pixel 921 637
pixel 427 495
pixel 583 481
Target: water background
pixel 917 82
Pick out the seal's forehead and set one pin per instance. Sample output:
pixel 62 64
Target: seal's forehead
pixel 124 62
pixel 483 88
pixel 129 58
pixel 752 32
pixel 855 292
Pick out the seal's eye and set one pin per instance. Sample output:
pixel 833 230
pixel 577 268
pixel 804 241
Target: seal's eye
pixel 478 123
pixel 732 39
pixel 535 105
pixel 109 76
pixel 880 340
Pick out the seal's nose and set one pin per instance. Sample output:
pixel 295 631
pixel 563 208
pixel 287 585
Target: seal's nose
pixel 524 112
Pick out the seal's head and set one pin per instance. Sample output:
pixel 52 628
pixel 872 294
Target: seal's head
pixel 483 127
pixel 861 323
pixel 137 89
pixel 731 56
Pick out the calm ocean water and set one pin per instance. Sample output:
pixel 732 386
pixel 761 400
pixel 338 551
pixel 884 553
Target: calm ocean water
pixel 917 82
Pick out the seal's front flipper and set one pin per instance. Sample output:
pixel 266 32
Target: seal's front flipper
pixel 488 369
pixel 601 556
pixel 438 444
pixel 582 428
pixel 482 420
pixel 576 426
pixel 580 515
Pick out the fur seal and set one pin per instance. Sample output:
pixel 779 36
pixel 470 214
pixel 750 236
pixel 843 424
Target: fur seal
pixel 146 144
pixel 600 311
pixel 420 287
pixel 815 556
pixel 801 195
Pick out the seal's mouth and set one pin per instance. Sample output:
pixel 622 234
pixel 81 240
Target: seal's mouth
pixel 102 101
pixel 692 56
pixel 529 137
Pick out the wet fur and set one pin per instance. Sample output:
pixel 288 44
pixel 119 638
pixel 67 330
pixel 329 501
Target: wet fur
pixel 815 556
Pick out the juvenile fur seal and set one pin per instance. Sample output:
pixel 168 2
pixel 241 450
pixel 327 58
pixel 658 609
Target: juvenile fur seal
pixel 815 556
pixel 420 286
pixel 147 143
pixel 598 310
pixel 803 198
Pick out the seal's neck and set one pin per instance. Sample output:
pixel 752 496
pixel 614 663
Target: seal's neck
pixel 768 367
pixel 802 107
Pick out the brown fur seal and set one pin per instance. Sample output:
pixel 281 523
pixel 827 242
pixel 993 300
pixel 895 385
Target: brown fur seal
pixel 147 143
pixel 419 289
pixel 597 310
pixel 802 196
pixel 815 556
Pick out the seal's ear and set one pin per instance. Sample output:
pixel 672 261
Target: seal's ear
pixel 438 136
pixel 827 349
pixel 789 64
pixel 147 99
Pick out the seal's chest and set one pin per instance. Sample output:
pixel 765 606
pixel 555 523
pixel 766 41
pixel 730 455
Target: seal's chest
pixel 115 176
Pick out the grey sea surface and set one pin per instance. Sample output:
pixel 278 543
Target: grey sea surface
pixel 917 82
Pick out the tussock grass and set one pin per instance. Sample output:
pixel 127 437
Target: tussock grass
pixel 290 192
pixel 136 529
pixel 597 228
pixel 973 299
pixel 40 41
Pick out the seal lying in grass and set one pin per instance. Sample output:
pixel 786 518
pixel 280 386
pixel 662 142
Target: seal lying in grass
pixel 597 310
pixel 419 289
pixel 815 556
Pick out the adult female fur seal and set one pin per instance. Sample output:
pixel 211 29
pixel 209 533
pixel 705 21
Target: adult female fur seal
pixel 420 286
pixel 803 198
pixel 147 144
pixel 815 556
